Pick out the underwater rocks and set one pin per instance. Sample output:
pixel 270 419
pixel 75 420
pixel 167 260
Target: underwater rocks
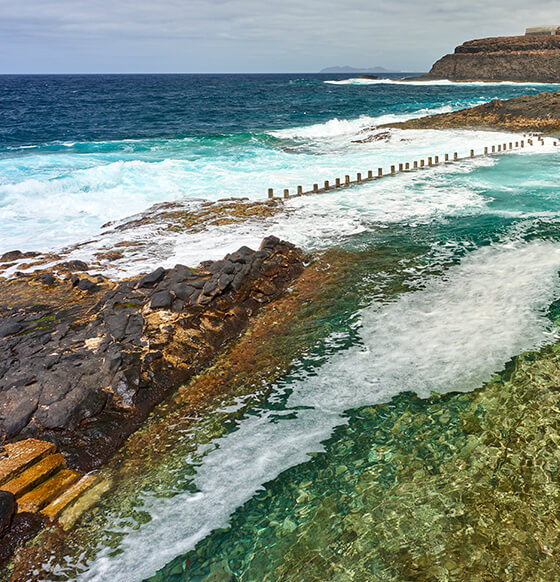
pixel 83 360
pixel 539 113
pixel 530 58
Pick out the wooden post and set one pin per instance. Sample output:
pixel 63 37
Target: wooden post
pixel 446 157
pixel 327 185
pixel 510 146
pixel 485 150
pixel 337 182
pixel 370 175
pixel 522 143
pixel 347 180
pixel 299 190
pixel 455 156
pixel 407 166
pixel 286 193
pixel 493 149
pixel 505 147
pixel 358 177
pixel 379 172
pixel 499 148
pixel 421 163
pixel 392 169
pixel 315 188
pixel 516 144
pixel 415 165
pixel 436 160
pixel 401 167
pixel 271 193
pixel 429 161
pixel 472 153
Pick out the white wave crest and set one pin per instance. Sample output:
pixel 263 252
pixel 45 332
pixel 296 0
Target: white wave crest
pixel 432 82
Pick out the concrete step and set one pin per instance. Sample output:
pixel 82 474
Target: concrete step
pixel 21 455
pixel 34 475
pixel 42 495
pixel 53 510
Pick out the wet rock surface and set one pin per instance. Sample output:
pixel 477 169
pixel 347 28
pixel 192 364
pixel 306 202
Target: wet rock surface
pixel 528 113
pixel 7 510
pixel 84 360
pixel 506 58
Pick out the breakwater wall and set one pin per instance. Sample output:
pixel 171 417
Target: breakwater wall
pixel 348 181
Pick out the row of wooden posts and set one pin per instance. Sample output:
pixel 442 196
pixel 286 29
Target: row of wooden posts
pixel 404 167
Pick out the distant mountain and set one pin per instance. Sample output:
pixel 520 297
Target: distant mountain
pixel 348 69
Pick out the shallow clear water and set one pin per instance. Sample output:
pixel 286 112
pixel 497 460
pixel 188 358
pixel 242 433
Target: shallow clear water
pixel 359 456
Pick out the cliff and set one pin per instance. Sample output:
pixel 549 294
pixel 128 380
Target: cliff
pixel 528 113
pixel 531 58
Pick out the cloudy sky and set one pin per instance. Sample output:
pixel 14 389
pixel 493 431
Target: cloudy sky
pixel 57 36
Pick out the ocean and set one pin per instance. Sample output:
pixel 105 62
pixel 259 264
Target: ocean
pixel 348 464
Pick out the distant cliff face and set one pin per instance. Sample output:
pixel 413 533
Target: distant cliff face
pixel 533 58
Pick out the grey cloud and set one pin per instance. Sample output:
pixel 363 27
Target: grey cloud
pixel 248 35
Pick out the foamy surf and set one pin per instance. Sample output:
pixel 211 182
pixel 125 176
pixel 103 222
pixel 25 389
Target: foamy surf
pixel 433 82
pixel 453 334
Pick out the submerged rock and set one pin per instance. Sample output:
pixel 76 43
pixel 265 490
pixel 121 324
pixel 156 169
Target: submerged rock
pixel 84 360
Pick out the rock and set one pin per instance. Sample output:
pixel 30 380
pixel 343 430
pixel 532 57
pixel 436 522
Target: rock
pixel 95 366
pixel 161 300
pixel 183 291
pixel 243 255
pixel 46 279
pixel 9 327
pixel 528 113
pixel 529 58
pixel 7 510
pixel 87 285
pixel 151 278
pixel 11 256
pixel 73 265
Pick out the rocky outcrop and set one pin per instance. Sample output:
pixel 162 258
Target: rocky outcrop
pixel 83 360
pixel 534 58
pixel 540 113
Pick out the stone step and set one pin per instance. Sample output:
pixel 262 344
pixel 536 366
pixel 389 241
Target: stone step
pixel 53 510
pixel 34 475
pixel 21 455
pixel 41 496
pixel 68 517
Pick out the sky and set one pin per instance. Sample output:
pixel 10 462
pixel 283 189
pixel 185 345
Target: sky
pixel 199 36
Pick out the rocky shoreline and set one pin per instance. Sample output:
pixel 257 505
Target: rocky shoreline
pixel 84 359
pixel 531 113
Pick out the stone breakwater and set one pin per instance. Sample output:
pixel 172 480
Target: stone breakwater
pixel 508 58
pixel 84 360
pixel 531 113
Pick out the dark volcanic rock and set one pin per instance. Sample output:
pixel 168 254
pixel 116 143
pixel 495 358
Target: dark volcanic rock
pixel 16 255
pixel 533 58
pixel 84 369
pixel 23 527
pixel 151 278
pixel 74 265
pixel 7 510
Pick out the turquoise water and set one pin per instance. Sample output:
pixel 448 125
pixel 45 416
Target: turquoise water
pixel 389 446
pixel 79 151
